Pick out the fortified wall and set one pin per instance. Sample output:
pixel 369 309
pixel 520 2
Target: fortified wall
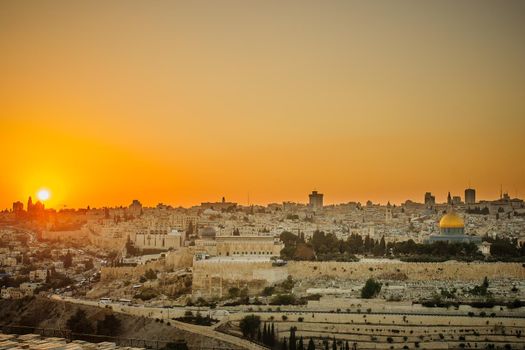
pixel 214 277
pixel 65 235
pixel 448 271
pixel 106 242
pixel 126 272
pixel 182 258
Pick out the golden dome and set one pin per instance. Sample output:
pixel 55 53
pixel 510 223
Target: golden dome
pixel 451 220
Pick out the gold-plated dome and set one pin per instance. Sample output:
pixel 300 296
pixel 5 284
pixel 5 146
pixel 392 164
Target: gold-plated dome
pixel 451 220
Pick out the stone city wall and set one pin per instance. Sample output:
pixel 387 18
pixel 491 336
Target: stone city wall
pixel 448 271
pixel 214 278
pixel 109 243
pixel 182 258
pixel 64 235
pixel 120 272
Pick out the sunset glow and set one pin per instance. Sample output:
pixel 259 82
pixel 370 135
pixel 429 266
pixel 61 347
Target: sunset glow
pixel 182 103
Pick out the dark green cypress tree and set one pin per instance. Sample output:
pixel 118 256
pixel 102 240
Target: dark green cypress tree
pixel 265 334
pixel 334 344
pixel 284 345
pixel 272 335
pixel 382 245
pixel 293 344
pixel 311 344
pixel 301 344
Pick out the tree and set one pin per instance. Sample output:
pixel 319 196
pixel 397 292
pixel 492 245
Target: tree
pixel 265 334
pixel 130 248
pixel 293 341
pixel 284 345
pixel 311 345
pixel 150 274
pixel 371 289
pixel 176 345
pixel 268 291
pixel 89 264
pixel 78 323
pixel 244 293
pixel 272 335
pixel 301 344
pixel 249 325
pixel 110 325
pixel 68 260
pixel 233 292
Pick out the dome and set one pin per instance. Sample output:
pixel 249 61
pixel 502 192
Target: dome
pixel 451 220
pixel 207 232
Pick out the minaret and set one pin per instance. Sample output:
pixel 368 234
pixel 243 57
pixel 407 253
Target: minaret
pixel 388 215
pixel 449 199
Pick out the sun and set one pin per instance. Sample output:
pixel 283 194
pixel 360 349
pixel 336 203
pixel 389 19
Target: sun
pixel 43 195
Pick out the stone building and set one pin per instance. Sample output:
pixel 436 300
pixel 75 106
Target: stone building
pixel 240 246
pixel 171 240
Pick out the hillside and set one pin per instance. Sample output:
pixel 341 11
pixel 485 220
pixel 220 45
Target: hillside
pixel 53 314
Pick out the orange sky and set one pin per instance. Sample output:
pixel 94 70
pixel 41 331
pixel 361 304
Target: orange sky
pixel 186 101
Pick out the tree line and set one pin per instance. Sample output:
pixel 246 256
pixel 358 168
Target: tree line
pixel 327 247
pixel 264 333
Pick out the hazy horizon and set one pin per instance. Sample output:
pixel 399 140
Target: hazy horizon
pixel 327 201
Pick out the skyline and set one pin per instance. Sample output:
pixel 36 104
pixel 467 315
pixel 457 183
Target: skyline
pixel 44 195
pixel 185 102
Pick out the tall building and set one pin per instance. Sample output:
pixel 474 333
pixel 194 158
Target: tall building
pixel 135 207
pixel 449 199
pixel 470 196
pixel 18 207
pixel 316 200
pixel 430 200
pixel 456 200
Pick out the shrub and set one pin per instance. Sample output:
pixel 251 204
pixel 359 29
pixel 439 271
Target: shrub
pixel 371 289
pixel 283 299
pixel 249 325
pixel 268 291
pixel 78 323
pixel 110 325
pixel 147 294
